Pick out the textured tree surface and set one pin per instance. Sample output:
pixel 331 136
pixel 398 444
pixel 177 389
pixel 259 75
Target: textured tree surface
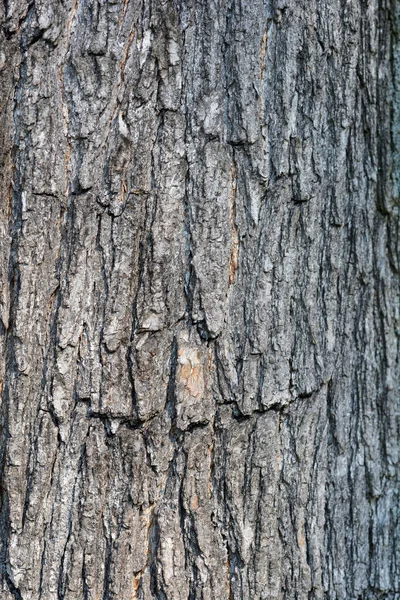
pixel 199 300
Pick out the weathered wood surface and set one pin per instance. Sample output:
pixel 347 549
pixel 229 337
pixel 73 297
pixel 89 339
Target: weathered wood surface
pixel 199 300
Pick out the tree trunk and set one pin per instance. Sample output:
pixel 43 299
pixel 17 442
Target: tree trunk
pixel 199 300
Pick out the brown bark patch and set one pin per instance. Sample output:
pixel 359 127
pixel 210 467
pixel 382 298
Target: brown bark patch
pixel 234 262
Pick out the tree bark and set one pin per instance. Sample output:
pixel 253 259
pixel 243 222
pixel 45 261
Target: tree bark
pixel 199 300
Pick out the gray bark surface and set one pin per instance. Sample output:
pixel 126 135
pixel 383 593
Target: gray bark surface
pixel 199 300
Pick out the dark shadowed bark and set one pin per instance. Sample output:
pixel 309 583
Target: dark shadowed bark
pixel 199 300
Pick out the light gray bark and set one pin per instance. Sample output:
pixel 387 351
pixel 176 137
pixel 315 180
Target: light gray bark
pixel 199 300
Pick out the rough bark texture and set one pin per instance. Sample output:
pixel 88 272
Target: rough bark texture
pixel 199 300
